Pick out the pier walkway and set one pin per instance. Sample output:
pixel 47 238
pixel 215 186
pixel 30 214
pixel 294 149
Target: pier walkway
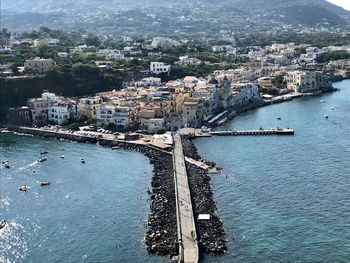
pixel 276 131
pixel 187 235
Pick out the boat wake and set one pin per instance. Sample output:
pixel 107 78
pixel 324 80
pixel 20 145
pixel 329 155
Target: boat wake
pixel 28 166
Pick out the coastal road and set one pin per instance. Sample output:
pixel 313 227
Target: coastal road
pixel 186 224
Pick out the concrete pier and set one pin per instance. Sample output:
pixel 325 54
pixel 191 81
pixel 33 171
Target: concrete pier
pixel 276 131
pixel 187 235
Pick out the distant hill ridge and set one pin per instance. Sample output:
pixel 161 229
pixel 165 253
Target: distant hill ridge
pixel 34 13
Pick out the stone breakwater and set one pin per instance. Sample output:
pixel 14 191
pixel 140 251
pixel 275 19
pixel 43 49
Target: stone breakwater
pixel 211 233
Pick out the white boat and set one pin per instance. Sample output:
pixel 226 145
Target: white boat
pixel 82 161
pixel 23 188
pixel 322 101
pixel 42 159
pixel 332 108
pixel 2 224
pixel 62 156
pixel 326 116
pixel 45 183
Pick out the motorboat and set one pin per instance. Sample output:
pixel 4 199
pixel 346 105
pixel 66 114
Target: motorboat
pixel 45 183
pixel 44 152
pixel 326 116
pixel 279 118
pixel 322 101
pixel 42 159
pixel 82 160
pixel 2 224
pixel 62 156
pixel 332 108
pixel 7 165
pixel 23 188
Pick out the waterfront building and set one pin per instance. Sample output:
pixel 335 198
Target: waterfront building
pixel 118 115
pixel 152 125
pixel 302 81
pixel 61 110
pixel 159 67
pixel 39 109
pixel 21 116
pixel 89 106
pixel 243 93
pixel 192 113
pixel 40 65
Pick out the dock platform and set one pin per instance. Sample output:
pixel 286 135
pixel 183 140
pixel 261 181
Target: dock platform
pixel 276 131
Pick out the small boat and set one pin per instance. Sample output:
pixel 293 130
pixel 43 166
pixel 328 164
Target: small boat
pixel 44 152
pixel 34 171
pixel 279 118
pixel 23 188
pixel 82 161
pixel 43 159
pixel 322 101
pixel 45 183
pixel 2 224
pixel 326 116
pixel 332 108
pixel 7 165
pixel 62 156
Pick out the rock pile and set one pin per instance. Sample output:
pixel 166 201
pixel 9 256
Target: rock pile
pixel 162 234
pixel 211 234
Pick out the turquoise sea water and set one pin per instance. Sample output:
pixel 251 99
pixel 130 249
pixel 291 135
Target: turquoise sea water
pixel 93 212
pixel 286 198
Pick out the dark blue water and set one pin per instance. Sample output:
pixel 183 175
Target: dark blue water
pixel 286 198
pixel 90 213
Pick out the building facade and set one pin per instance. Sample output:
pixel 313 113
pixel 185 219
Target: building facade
pixel 88 107
pixel 40 65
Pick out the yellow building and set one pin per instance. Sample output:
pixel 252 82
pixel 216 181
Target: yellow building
pixel 88 106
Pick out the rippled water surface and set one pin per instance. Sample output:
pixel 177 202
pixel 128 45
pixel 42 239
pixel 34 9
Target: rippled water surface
pixel 287 198
pixel 93 212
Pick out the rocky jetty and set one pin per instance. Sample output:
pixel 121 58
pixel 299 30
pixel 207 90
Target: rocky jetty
pixel 211 234
pixel 161 238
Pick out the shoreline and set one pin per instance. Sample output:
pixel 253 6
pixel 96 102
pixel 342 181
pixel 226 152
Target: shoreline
pixel 234 112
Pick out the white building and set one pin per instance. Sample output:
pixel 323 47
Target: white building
pixel 146 82
pixel 39 64
pixel 60 111
pixel 120 116
pixel 163 42
pixel 159 67
pixel 185 60
pixel 244 93
pixel 153 125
